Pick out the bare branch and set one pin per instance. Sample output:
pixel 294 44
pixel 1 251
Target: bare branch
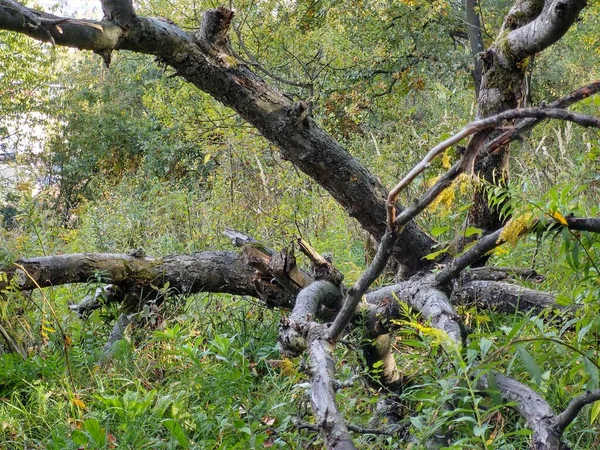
pixel 254 63
pixel 499 273
pixel 214 29
pixel 480 248
pixel 422 296
pixel 225 272
pixel 298 333
pixel 479 126
pixel 502 296
pixel 532 407
pixel 355 294
pixel 105 294
pixel 591 224
pixel 527 124
pixel 564 419
pixel 84 34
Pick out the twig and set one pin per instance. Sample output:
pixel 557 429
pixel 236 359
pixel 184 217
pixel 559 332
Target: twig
pixel 356 292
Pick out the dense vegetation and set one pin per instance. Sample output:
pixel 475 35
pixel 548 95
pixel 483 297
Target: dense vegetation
pixel 135 156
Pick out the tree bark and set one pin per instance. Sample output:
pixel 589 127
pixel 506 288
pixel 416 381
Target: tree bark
pixel 529 27
pixel 473 13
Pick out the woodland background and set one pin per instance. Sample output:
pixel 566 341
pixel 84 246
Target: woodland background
pixel 108 160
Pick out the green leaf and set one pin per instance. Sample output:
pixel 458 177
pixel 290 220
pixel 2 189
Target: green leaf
pixel 472 231
pixel 592 371
pixel 479 430
pixel 79 437
pixel 96 432
pixel 437 231
pixel 514 330
pixel 177 431
pixel 484 346
pixel 416 422
pixel 436 254
pixel 530 364
pixel 595 411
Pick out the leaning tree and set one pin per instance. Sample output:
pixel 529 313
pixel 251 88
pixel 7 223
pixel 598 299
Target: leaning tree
pixel 322 307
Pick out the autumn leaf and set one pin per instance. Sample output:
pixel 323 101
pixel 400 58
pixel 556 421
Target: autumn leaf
pixel 559 218
pixel 79 403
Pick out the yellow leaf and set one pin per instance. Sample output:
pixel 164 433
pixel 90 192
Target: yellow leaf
pixel 287 367
pixel 559 218
pixel 207 158
pixel 515 228
pixel 79 403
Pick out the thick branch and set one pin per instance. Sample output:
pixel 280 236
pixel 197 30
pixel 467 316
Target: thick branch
pixel 564 419
pixel 225 272
pixel 546 29
pixel 83 34
pixel 298 333
pixel 422 296
pixel 591 224
pixel 503 297
pixel 532 407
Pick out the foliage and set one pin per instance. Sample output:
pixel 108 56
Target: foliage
pixel 132 158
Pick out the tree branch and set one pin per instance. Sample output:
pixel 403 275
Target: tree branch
pixel 225 272
pixel 298 136
pixel 546 29
pixel 591 224
pixel 532 407
pixel 298 333
pixel 480 248
pixel 83 34
pixel 356 292
pixel 528 124
pixel 479 126
pixel 564 419
pixel 502 296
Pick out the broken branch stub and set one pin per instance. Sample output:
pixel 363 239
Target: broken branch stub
pixel 323 269
pixel 212 36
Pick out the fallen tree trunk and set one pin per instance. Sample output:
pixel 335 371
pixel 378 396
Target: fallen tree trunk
pixel 224 272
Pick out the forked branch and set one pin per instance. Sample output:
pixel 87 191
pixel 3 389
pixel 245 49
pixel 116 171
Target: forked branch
pixel 480 126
